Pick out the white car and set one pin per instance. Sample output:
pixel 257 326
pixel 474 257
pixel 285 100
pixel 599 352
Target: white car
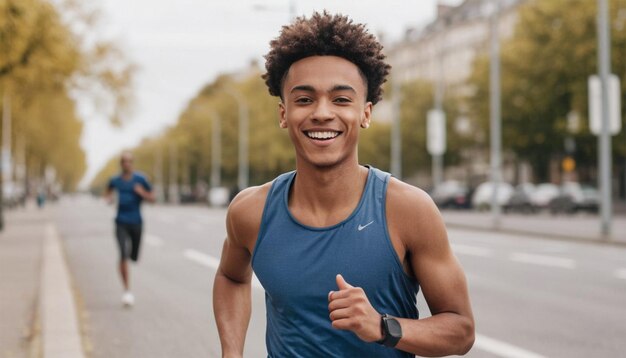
pixel 543 195
pixel 484 192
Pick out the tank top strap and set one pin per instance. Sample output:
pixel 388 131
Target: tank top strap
pixel 273 207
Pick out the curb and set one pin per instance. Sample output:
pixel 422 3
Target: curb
pixel 538 235
pixel 59 321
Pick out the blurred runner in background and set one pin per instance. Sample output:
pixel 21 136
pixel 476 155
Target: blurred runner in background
pixel 132 188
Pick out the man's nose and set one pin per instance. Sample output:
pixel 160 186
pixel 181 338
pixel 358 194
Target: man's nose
pixel 323 111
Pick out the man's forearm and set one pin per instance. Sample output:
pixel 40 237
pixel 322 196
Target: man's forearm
pixel 440 335
pixel 232 308
pixel 149 196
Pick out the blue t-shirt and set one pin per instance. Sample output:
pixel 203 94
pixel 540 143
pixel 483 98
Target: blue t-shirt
pixel 128 201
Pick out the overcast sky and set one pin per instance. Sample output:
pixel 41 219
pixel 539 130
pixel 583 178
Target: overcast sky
pixel 182 45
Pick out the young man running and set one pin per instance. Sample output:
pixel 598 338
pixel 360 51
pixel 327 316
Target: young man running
pixel 340 249
pixel 132 188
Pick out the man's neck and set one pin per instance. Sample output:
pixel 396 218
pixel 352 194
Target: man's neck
pixel 328 195
pixel 127 175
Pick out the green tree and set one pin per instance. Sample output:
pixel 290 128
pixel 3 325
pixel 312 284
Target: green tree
pixel 545 67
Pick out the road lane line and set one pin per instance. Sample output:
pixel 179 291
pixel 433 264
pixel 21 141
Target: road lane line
pixel 543 260
pixel 213 262
pixel 154 240
pixel 621 273
pixel 502 349
pixel 472 250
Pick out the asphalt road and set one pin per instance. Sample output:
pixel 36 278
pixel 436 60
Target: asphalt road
pixel 531 297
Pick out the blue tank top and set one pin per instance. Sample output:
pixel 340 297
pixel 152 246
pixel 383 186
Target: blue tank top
pixel 297 265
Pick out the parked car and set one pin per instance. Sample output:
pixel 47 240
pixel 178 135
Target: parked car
pixel 574 197
pixel 540 199
pixel 520 200
pixel 12 194
pixel 451 194
pixel 484 192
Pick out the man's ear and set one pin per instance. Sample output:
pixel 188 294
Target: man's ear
pixel 282 122
pixel 367 115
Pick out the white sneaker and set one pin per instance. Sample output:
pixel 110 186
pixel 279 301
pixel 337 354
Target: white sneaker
pixel 128 299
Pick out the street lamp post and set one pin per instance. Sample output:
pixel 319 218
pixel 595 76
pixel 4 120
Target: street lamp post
pixel 437 158
pixel 604 147
pixel 173 182
pixel 216 150
pixel 292 8
pixel 396 138
pixel 244 120
pixel 495 113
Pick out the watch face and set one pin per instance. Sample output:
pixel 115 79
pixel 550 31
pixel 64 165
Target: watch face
pixel 395 330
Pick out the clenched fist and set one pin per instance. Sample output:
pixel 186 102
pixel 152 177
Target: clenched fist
pixel 350 310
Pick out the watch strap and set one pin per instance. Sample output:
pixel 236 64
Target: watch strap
pixel 389 339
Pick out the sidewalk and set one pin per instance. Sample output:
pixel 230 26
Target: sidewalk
pixel 582 227
pixel 37 312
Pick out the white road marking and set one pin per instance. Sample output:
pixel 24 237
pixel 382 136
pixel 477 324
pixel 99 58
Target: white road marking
pixel 543 260
pixel 213 262
pixel 502 349
pixel 472 250
pixel 154 240
pixel 621 273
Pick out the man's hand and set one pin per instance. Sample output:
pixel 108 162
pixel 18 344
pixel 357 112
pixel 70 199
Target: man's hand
pixel 351 310
pixel 140 190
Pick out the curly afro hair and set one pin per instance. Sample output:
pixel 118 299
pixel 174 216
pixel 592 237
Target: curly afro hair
pixel 326 35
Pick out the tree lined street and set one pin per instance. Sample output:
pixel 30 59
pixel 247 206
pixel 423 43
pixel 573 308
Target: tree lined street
pixel 532 297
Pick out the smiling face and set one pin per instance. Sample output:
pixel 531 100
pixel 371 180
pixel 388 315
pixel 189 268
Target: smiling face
pixel 324 105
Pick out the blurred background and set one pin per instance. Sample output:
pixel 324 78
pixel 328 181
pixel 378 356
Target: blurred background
pixel 509 113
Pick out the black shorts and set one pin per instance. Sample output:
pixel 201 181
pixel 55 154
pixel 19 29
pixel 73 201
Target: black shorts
pixel 128 239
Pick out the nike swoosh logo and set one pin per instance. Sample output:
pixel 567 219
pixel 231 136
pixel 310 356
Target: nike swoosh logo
pixel 361 227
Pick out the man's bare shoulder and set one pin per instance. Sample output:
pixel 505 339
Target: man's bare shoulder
pixel 403 196
pixel 413 213
pixel 245 213
pixel 249 203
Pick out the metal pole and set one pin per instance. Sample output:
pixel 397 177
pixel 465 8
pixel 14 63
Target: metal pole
pixel 437 159
pixel 216 151
pixel 396 138
pixel 495 114
pixel 292 10
pixel 242 180
pixel 158 174
pixel 173 185
pixel 6 137
pixel 604 147
pixel 244 120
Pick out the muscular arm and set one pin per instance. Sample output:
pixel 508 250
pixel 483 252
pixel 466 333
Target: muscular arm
pixel 145 194
pixel 450 329
pixel 108 194
pixel 232 286
pixel 419 236
pixel 232 299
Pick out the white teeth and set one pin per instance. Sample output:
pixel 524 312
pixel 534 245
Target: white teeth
pixel 322 135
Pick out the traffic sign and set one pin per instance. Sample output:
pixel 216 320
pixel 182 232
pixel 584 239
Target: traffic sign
pixel 568 164
pixel 436 132
pixel 595 105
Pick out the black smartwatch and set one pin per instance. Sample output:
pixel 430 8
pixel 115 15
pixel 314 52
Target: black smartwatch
pixel 392 331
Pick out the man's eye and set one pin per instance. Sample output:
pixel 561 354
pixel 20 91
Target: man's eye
pixel 343 100
pixel 303 100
